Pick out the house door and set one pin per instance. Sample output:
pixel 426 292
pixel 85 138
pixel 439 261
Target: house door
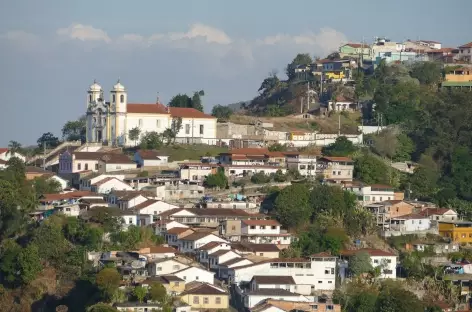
pixel 99 135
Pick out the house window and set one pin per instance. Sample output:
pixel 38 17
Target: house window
pixel 158 268
pixel 261 254
pixel 187 129
pixel 252 227
pixel 327 271
pixel 233 228
pixel 140 122
pixel 218 300
pixel 376 261
pixel 113 98
pixel 273 227
pixel 130 220
pixel 334 172
pixel 332 270
pixel 196 300
pixel 79 166
pixel 90 98
pixel 67 209
pixel 201 129
pixel 262 227
pixel 86 167
pixel 196 278
pixel 339 172
pixel 158 123
pixel 122 98
pixel 463 235
pixel 205 300
pixel 96 166
pixel 320 282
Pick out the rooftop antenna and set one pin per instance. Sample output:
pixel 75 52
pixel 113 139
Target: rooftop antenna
pixel 157 99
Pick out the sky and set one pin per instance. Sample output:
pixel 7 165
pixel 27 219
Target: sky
pixel 52 50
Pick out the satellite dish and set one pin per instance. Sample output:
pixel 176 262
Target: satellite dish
pixel 136 264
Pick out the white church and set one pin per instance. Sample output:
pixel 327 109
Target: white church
pixel 109 122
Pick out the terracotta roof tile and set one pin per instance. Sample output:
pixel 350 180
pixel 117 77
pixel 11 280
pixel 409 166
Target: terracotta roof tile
pixel 3 150
pixel 116 159
pixel 334 158
pixel 145 204
pixel 434 211
pixel 149 154
pixel 177 230
pixel 204 289
pixel 69 195
pixel 209 245
pixel 135 108
pixel 162 249
pixel 234 261
pixel 188 113
pixel 467 45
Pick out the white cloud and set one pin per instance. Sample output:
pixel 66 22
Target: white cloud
pixel 210 34
pixel 18 35
pixel 84 33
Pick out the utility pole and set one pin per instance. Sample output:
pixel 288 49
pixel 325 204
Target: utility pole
pixel 301 105
pixel 339 124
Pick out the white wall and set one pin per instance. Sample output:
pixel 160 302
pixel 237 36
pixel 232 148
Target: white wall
pixel 251 301
pixel 389 261
pixel 64 183
pixel 6 156
pixel 196 274
pixel 115 167
pixel 259 229
pixel 114 184
pixel 190 246
pixel 209 128
pixel 157 208
pixel 166 267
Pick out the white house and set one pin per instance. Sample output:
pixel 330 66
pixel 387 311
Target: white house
pixel 162 226
pixel 5 155
pixel 279 282
pixel 112 123
pixel 385 259
pixel 204 217
pixel 128 218
pixel 304 162
pixel 195 240
pixel 172 236
pixel 221 256
pixel 264 231
pixel 71 162
pixel 224 268
pixel 165 266
pixel 440 214
pixel 106 185
pixel 465 52
pixel 252 298
pixel 130 200
pixel 368 194
pixel 192 273
pixel 209 248
pixel 148 158
pixel 245 170
pixel 411 224
pixel 153 207
pixel 157 252
pixel 342 103
pixel 115 162
pixel 196 171
pixel 85 183
pixel 317 271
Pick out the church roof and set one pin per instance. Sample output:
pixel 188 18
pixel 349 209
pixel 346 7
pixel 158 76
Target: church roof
pixel 183 112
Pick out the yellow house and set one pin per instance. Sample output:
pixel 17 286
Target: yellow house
pixel 173 284
pixel 205 296
pixel 458 231
pixel 335 74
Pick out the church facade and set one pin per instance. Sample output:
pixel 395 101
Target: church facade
pixel 109 122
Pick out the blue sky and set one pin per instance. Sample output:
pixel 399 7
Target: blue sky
pixel 53 49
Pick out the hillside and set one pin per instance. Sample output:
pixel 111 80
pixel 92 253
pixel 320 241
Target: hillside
pixel 349 123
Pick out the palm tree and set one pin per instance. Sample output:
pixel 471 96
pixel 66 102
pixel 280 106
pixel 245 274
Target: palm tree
pixel 13 148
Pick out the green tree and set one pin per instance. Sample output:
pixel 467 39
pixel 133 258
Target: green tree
pixel 300 59
pixel 175 127
pixel 341 147
pixel 393 298
pixel 45 185
pixel 221 112
pixel 51 242
pixel 157 292
pixel 292 205
pixel 108 280
pixel 140 293
pixel 74 130
pixel 405 148
pixel 197 100
pixel 428 73
pixel 218 179
pixel 180 100
pixel 29 263
pixel 277 147
pixel 49 139
pixel 360 263
pixel 280 176
pixel 9 266
pixel 14 147
pixel 133 134
pixel 370 169
pixel 151 141
pixel 424 180
pixel 260 178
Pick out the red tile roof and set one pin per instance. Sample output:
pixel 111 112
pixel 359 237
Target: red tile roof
pixel 188 113
pixel 3 150
pixel 210 245
pixel 467 45
pixel 261 222
pixel 434 211
pixel 411 216
pixel 145 204
pixel 103 181
pixel 116 159
pixel 136 108
pixel 371 251
pixel 149 154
